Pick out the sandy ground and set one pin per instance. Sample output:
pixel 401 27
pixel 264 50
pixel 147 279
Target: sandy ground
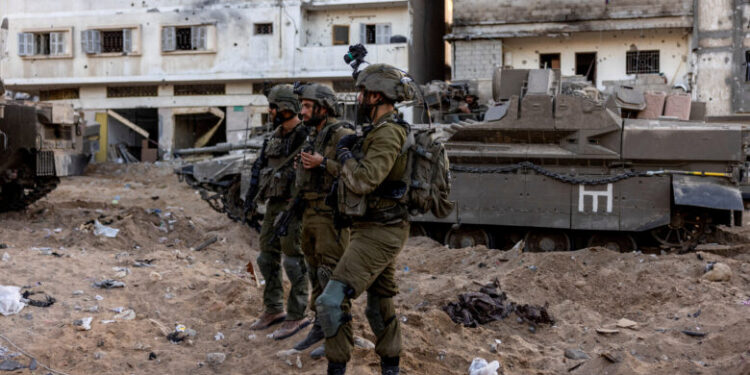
pixel 209 292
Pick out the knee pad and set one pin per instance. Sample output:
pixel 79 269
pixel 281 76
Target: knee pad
pixel 372 312
pixel 328 306
pixel 324 274
pixel 268 264
pixel 295 268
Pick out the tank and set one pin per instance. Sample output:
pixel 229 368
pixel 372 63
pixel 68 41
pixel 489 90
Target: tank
pixel 560 168
pixel 39 142
pixel 218 178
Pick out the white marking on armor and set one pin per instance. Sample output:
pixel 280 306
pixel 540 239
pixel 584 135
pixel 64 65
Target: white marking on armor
pixel 595 195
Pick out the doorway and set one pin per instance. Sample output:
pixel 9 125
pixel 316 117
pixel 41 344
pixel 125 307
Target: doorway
pixel 549 61
pixel 586 65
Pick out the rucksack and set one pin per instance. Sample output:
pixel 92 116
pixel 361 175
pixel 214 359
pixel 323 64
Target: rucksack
pixel 427 172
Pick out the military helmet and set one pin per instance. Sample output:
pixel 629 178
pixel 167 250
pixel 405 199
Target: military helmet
pixel 283 97
pixel 321 94
pixel 386 79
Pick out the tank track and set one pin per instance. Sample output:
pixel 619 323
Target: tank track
pixel 21 196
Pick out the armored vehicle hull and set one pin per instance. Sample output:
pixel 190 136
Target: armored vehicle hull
pixel 39 142
pixel 564 171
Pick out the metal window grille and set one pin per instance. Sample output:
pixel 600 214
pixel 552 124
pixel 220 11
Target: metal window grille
pixel 131 91
pixel 340 35
pixel 112 41
pixel 58 94
pixel 184 39
pixel 747 66
pixel 185 90
pixel 640 62
pixel 263 28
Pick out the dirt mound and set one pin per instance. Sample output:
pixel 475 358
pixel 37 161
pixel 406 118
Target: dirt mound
pixel 159 219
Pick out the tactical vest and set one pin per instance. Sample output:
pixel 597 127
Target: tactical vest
pixel 316 183
pixel 277 177
pixel 384 205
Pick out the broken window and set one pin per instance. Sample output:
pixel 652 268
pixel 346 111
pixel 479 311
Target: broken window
pixel 340 35
pixel 107 41
pixel 131 91
pixel 549 61
pixel 185 90
pixel 191 38
pixel 263 28
pixel 375 33
pixel 586 65
pixel 42 44
pixel 641 62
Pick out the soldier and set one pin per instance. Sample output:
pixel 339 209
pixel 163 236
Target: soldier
pixel 271 181
pixel 373 168
pixel 322 243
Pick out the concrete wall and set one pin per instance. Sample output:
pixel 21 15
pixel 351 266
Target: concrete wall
pixel 468 12
pixel 476 59
pixel 611 48
pixel 318 24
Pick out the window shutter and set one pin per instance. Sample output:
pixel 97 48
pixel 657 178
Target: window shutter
pixel 96 37
pixel 85 37
pixel 363 33
pixel 383 33
pixel 57 43
pixel 91 41
pixel 23 49
pixel 198 37
pixel 168 39
pixel 127 40
pixel 30 43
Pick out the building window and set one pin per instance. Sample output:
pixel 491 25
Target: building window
pixel 185 90
pixel 340 35
pixel 344 85
pixel 375 33
pixel 43 44
pixel 549 61
pixel 131 91
pixel 263 28
pixel 639 62
pixel 58 94
pixel 586 65
pixel 97 41
pixel 188 38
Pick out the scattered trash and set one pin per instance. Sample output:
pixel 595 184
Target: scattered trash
pixel 109 284
pixel 576 354
pixel 406 268
pixel 489 305
pixel 108 321
pixel 103 230
pixel 626 323
pixel 121 272
pixel 218 336
pixel 205 244
pixel 125 315
pixel 441 355
pixel 746 303
pixel 252 337
pixel 215 359
pixel 717 272
pixel 479 366
pixel 607 331
pixel 533 268
pixel 98 297
pixel 98 355
pixel 116 200
pixel 57 230
pixel 47 301
pixel 92 309
pixel 10 300
pixel 180 333
pixel 77 292
pixel 694 333
pixel 610 357
pixel 3 246
pixel 10 365
pixel 139 263
pixel 117 309
pixel 83 324
pixel 154 276
pixel 6 257
pixel 151 356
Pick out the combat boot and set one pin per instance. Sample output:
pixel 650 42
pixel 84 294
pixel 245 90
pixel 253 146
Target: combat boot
pixel 266 320
pixel 335 368
pixel 289 328
pixel 316 334
pixel 389 365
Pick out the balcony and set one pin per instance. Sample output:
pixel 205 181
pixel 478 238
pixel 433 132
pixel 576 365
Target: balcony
pixel 351 4
pixel 328 61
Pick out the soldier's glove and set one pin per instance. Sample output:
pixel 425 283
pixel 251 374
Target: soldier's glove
pixel 343 148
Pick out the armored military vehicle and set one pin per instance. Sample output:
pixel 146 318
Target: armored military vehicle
pixel 563 169
pixel 39 142
pixel 218 178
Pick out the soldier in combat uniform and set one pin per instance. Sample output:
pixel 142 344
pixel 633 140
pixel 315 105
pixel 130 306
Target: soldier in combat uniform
pixel 322 243
pixel 271 181
pixel 373 167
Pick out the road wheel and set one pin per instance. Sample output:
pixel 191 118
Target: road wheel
pixel 621 242
pixel 540 241
pixel 461 237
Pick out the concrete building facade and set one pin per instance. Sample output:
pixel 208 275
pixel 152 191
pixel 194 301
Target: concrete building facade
pixel 191 72
pixel 702 44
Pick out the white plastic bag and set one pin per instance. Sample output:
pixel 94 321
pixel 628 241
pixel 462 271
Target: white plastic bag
pixel 103 230
pixel 479 366
pixel 10 300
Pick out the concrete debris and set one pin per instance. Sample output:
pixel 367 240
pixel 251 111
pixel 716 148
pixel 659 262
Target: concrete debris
pixel 215 359
pixel 125 315
pixel 576 354
pixel 718 272
pixel 83 324
pixel 626 323
pixel 109 284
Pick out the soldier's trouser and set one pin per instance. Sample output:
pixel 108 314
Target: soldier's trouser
pixel 322 244
pixel 367 265
pixel 270 261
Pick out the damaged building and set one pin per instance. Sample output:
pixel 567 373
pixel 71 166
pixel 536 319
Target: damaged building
pixel 163 75
pixel 697 45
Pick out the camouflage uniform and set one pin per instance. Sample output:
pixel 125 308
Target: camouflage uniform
pixel 275 189
pixel 375 172
pixel 322 243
